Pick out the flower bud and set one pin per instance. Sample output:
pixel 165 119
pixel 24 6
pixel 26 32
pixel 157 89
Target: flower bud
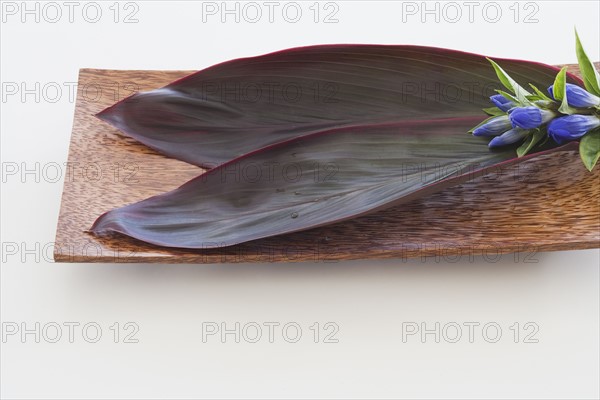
pixel 493 127
pixel 529 117
pixel 572 127
pixel 578 97
pixel 509 137
pixel 502 102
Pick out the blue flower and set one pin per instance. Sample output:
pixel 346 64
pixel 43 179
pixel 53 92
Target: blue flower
pixel 572 127
pixel 493 127
pixel 509 137
pixel 529 117
pixel 502 102
pixel 578 97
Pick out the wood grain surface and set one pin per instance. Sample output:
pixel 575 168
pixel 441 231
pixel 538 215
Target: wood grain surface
pixel 550 203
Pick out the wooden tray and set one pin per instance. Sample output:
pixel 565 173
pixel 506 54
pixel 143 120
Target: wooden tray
pixel 551 203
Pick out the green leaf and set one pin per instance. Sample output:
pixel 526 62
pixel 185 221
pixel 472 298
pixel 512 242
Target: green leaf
pixel 560 92
pixel 589 148
pixel 509 83
pixel 546 104
pixel 591 77
pixel 507 95
pixel 531 141
pixel 560 88
pixel 539 93
pixel 566 109
pixel 493 111
pixel 545 140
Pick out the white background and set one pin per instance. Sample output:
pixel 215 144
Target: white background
pixel 370 301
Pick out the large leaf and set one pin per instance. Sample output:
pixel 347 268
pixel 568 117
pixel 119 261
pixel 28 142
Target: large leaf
pixel 310 181
pixel 233 108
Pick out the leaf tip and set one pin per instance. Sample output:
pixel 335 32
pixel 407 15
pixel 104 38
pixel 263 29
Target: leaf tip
pixel 576 35
pixel 589 164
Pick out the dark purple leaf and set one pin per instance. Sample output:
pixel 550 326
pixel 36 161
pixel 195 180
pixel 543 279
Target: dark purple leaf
pixel 310 181
pixel 230 109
